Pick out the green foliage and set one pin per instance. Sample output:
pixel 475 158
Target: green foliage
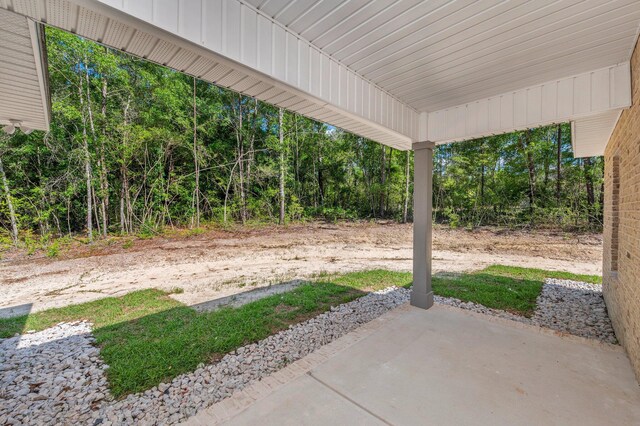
pixel 132 123
pixel 54 249
pixel 515 295
pixel 512 180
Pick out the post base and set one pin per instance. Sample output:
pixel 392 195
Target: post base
pixel 422 300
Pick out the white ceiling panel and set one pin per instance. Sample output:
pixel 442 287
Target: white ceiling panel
pixel 440 53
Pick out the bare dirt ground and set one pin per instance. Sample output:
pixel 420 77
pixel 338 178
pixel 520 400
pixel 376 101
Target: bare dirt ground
pixel 220 263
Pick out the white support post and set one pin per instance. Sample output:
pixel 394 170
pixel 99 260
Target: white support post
pixel 421 294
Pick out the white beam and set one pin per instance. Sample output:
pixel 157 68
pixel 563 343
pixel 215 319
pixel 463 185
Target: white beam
pixel 233 45
pixel 602 91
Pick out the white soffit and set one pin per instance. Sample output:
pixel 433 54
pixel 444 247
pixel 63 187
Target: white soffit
pixel 589 133
pixel 24 93
pixel 596 92
pixel 440 53
pixel 229 43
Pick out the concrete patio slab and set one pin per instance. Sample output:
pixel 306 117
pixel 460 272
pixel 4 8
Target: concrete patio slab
pixel 305 402
pixel 447 366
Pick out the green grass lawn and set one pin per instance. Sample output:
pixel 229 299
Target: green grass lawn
pixel 146 337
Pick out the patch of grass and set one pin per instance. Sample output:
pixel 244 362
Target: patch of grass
pixel 195 231
pixel 493 289
pixel 539 274
pixel 147 338
pixel 54 249
pixel 508 288
pixel 515 295
pixel 373 280
pixel 101 313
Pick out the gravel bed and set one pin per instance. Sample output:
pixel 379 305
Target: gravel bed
pixel 56 376
pixel 481 309
pixel 51 376
pixel 572 307
pixel 576 308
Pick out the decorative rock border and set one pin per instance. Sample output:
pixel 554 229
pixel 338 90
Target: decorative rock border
pixel 51 377
pixel 574 307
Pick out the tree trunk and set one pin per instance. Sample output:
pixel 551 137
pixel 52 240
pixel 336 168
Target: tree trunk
pixel 405 210
pixel 87 172
pixel 93 135
pixel 297 158
pixel 559 163
pixel 591 199
pixel 282 170
pixel 12 213
pixel 388 189
pixel 95 210
pixel 104 181
pixel 383 180
pixel 320 179
pixel 525 143
pixel 125 201
pixel 241 170
pixel 87 165
pixel 482 174
pixel 196 191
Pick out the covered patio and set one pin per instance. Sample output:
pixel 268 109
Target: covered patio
pixel 443 366
pixel 410 75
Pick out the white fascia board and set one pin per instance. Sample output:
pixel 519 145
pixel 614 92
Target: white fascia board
pixel 244 39
pixel 40 56
pixel 568 99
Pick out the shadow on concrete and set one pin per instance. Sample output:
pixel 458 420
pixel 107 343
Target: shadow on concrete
pixel 242 298
pixel 16 311
pixel 16 318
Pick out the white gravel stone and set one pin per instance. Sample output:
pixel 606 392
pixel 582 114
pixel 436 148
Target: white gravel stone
pixel 51 377
pixel 56 376
pixel 576 308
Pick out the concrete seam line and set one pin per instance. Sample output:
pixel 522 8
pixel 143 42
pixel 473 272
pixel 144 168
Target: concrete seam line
pixel 331 388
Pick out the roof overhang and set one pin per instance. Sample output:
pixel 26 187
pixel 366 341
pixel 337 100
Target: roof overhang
pixel 592 101
pixel 395 72
pixel 24 91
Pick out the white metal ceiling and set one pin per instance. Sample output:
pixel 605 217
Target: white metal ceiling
pixel 439 53
pixel 23 93
pixel 394 71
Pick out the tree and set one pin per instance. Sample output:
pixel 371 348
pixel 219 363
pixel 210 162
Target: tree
pixel 281 164
pixel 12 213
pixel 196 166
pixel 135 147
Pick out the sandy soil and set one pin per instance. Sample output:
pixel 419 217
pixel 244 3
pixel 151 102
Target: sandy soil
pixel 221 263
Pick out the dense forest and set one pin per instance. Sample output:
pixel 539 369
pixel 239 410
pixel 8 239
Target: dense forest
pixel 135 147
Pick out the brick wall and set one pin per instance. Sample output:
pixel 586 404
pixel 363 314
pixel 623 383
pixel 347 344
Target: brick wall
pixel 621 267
